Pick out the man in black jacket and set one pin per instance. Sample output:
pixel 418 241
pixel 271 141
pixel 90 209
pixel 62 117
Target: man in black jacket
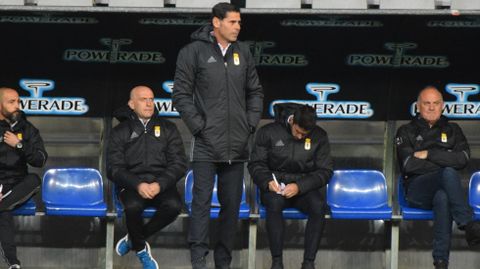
pixel 430 151
pixel 20 144
pixel 146 158
pixel 290 164
pixel 219 97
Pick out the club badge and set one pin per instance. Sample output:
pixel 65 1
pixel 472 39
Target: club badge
pixel 157 130
pixel 20 136
pixel 308 143
pixel 444 138
pixel 236 58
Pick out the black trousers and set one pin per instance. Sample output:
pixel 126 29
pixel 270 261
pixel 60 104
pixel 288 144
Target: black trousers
pixel 229 190
pixel 21 192
pixel 311 203
pixel 168 205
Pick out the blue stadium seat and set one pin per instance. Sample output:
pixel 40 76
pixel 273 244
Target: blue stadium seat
pixel 358 194
pixel 27 209
pixel 474 194
pixel 215 206
pixel 147 213
pixel 288 213
pixel 73 192
pixel 411 213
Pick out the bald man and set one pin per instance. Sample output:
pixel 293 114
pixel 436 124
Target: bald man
pixel 431 150
pixel 145 160
pixel 20 144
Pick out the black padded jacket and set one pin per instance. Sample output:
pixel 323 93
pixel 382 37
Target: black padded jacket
pixel 445 142
pixel 151 153
pixel 218 97
pixel 13 161
pixel 306 162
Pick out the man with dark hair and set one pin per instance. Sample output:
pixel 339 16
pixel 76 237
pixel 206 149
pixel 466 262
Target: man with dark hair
pixel 218 95
pixel 430 151
pixel 291 164
pixel 145 159
pixel 20 144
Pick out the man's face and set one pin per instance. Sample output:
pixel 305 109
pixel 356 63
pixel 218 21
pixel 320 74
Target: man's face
pixel 141 102
pixel 298 132
pixel 430 105
pixel 227 30
pixel 9 104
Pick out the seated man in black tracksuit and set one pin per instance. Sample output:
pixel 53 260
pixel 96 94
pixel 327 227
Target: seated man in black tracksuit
pixel 431 150
pixel 145 160
pixel 290 164
pixel 20 144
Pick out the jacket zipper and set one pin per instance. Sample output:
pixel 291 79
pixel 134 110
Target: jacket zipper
pixel 145 143
pixel 229 153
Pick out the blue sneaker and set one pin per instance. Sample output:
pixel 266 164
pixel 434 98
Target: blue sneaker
pixel 123 246
pixel 146 258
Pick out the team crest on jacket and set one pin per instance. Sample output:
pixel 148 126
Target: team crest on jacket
pixel 236 59
pixel 157 130
pixel 308 143
pixel 444 138
pixel 20 136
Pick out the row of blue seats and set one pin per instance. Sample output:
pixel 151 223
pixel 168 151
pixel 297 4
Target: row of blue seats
pixel 351 194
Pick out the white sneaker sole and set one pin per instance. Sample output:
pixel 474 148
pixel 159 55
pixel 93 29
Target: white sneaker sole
pixel 149 251
pixel 118 245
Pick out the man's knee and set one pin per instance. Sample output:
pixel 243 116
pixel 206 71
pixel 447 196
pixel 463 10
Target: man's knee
pixel 440 199
pixel 450 173
pixel 273 202
pixel 133 207
pixel 316 204
pixel 173 207
pixel 33 180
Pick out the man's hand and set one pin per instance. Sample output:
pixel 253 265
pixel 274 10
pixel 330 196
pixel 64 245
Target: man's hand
pixel 423 154
pixel 290 190
pixel 10 139
pixel 154 188
pixel 144 190
pixel 273 186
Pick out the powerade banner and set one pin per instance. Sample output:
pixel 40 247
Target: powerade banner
pixel 356 67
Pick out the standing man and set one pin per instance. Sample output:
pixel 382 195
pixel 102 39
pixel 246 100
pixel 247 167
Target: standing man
pixel 20 144
pixel 145 160
pixel 291 164
pixel 218 95
pixel 431 150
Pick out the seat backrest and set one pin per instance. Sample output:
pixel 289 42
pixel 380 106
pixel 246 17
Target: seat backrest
pixel 474 190
pixel 361 189
pixel 189 185
pixel 72 186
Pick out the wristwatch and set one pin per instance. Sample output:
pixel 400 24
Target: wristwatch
pixel 19 145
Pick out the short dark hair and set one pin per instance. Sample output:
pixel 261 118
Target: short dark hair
pixel 305 117
pixel 221 9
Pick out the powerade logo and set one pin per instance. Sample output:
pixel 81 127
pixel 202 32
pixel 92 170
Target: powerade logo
pixel 469 23
pixel 188 21
pixel 399 58
pixel 114 54
pixel 264 59
pixel 330 109
pixel 40 105
pixel 48 19
pixel 461 108
pixel 332 22
pixel 164 105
